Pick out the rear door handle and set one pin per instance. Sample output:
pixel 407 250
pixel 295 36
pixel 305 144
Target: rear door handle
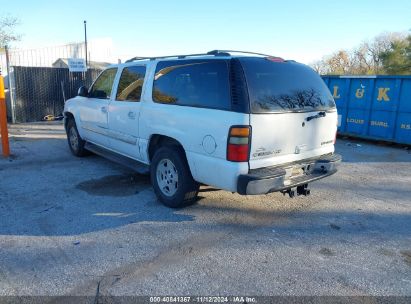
pixel 319 114
pixel 131 115
pixel 103 109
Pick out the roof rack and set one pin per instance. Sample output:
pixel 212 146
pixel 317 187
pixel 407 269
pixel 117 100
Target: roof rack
pixel 227 52
pixel 169 56
pixel 210 53
pixel 137 58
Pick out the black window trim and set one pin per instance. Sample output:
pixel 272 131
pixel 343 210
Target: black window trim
pixel 244 106
pixel 119 78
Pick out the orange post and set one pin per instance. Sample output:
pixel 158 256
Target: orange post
pixel 3 121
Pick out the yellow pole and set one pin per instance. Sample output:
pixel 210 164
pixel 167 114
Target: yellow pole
pixel 3 121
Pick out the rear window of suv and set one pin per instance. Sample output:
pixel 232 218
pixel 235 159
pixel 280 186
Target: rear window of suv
pixel 196 83
pixel 284 87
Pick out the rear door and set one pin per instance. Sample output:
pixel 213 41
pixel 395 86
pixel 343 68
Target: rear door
pixel 124 112
pixel 292 113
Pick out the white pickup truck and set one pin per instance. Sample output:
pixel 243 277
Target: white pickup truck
pixel 243 122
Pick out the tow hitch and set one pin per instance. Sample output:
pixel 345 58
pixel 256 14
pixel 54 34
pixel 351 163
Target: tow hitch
pixel 301 190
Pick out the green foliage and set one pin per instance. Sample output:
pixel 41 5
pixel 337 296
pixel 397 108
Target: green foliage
pixel 397 60
pixel 388 53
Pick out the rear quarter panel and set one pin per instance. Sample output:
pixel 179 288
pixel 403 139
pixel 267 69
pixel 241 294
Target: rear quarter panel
pixel 202 133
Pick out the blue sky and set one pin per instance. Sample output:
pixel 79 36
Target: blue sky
pixel 301 30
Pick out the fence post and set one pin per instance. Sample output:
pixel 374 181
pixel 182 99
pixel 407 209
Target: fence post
pixel 3 120
pixel 11 83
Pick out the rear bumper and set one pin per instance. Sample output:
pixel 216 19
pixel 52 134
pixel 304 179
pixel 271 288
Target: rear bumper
pixel 272 179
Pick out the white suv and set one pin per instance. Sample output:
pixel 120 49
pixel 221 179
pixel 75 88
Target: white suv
pixel 243 122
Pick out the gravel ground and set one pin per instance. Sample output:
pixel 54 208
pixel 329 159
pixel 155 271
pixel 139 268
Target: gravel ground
pixel 68 225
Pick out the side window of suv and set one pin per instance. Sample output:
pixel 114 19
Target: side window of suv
pixel 197 83
pixel 131 83
pixel 103 85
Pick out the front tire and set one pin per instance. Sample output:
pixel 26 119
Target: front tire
pixel 171 178
pixel 75 142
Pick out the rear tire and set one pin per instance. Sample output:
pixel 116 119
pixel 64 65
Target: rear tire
pixel 171 178
pixel 75 142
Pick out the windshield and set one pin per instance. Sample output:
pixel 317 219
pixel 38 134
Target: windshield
pixel 284 87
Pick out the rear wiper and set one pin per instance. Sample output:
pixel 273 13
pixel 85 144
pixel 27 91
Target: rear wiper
pixel 318 115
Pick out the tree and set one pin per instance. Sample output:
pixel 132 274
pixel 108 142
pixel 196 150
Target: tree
pixel 338 63
pixel 7 31
pixel 319 67
pixel 397 60
pixel 360 60
pixel 381 44
pixel 386 53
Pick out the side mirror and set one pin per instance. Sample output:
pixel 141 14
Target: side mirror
pixel 82 91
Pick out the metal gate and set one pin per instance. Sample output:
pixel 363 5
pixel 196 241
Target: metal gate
pixel 41 91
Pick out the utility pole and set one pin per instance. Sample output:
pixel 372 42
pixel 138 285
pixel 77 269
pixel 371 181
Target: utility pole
pixel 85 39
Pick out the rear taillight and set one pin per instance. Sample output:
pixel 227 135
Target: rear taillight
pixel 238 145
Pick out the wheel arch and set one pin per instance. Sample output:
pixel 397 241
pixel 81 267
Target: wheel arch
pixel 67 117
pixel 158 140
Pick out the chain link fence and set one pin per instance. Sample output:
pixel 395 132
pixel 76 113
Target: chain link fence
pixel 38 81
pixel 41 91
